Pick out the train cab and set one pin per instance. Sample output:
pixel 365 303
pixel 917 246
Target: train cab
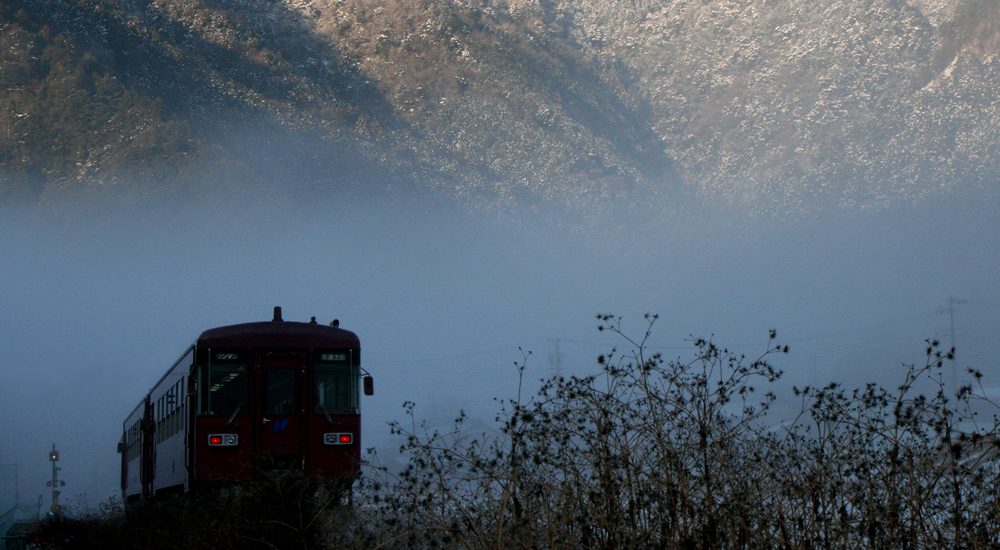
pixel 247 401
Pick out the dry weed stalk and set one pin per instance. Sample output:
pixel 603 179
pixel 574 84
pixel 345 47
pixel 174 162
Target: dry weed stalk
pixel 653 453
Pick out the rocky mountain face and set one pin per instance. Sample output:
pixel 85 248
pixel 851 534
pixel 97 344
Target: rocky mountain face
pixel 777 106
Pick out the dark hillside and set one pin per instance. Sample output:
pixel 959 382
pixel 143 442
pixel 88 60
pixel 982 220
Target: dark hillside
pixel 66 112
pixel 99 89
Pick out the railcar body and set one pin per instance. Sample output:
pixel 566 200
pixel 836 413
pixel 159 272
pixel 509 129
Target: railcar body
pixel 245 401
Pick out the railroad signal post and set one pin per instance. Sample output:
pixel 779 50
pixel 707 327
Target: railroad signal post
pixel 55 483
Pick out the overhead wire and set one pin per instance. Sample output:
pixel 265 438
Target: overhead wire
pixel 493 351
pixel 424 364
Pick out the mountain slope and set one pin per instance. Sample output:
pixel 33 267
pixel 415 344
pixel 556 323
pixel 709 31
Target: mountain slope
pixel 778 106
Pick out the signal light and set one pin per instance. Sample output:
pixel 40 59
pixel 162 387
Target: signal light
pixel 345 438
pixel 215 440
pixel 48 484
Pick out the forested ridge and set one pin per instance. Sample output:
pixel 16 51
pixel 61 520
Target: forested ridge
pixel 779 106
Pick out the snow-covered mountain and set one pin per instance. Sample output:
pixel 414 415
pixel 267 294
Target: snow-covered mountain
pixel 777 106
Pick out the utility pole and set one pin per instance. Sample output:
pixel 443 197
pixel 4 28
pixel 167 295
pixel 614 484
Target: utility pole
pixel 950 310
pixel 55 482
pixel 555 358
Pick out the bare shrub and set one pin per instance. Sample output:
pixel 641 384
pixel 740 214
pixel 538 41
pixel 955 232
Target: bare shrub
pixel 894 468
pixel 653 453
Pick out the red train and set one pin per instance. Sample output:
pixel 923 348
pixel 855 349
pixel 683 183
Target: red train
pixel 245 401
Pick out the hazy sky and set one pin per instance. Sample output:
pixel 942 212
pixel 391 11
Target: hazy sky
pixel 96 307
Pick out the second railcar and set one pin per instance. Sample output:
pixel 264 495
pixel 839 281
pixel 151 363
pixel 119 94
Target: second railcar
pixel 245 401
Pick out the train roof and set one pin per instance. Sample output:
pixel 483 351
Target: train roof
pixel 278 334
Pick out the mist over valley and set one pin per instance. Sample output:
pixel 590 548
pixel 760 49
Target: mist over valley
pixel 455 180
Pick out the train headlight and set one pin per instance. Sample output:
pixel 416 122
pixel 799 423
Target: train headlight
pixel 223 440
pixel 338 439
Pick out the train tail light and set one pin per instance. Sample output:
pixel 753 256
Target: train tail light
pixel 338 439
pixel 223 440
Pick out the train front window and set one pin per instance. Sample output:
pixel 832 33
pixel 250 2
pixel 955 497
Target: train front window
pixel 222 390
pixel 336 389
pixel 279 397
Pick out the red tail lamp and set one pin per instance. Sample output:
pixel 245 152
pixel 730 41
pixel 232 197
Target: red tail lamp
pixel 338 439
pixel 223 440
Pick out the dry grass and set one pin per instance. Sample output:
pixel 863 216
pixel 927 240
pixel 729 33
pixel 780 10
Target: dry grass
pixel 284 512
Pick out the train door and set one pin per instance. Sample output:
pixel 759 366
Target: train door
pixel 147 468
pixel 281 407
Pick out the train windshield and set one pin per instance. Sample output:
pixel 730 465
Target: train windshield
pixel 223 390
pixel 336 389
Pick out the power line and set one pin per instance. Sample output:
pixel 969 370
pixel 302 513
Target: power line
pixel 821 336
pixel 557 357
pixel 493 351
pixel 977 303
pixel 607 344
pixel 861 329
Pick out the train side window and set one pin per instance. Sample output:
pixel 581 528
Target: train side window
pixel 279 396
pixel 171 411
pixel 222 389
pixel 183 400
pixel 133 446
pixel 335 389
pixel 168 422
pixel 158 416
pixel 176 413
